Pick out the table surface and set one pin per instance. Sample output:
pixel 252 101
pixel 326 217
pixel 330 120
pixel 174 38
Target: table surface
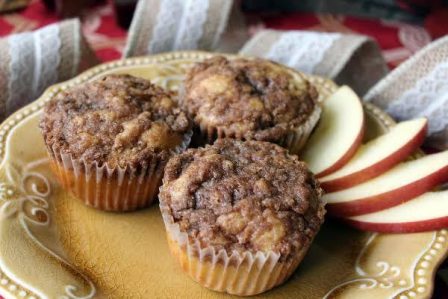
pixel 398 41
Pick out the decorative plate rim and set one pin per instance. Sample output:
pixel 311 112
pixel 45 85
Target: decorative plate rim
pixel 433 253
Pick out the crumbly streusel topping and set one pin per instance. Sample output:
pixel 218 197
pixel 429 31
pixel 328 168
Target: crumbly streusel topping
pixel 117 119
pixel 256 98
pixel 243 196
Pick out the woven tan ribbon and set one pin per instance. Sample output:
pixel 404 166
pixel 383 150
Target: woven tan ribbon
pixel 419 87
pixel 416 88
pixel 32 61
pixel 354 60
pixel 166 25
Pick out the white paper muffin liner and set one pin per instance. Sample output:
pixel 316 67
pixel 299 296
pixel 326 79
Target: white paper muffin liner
pixel 297 137
pixel 293 141
pixel 242 274
pixel 107 188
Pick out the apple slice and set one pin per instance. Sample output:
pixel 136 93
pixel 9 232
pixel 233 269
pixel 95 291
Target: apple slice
pixel 402 183
pixel 426 212
pixel 338 134
pixel 378 155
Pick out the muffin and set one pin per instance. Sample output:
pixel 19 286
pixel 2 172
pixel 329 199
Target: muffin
pixel 240 215
pixel 109 140
pixel 250 99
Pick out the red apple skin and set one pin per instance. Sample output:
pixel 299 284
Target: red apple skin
pixel 388 199
pixel 348 155
pixel 403 227
pixel 378 168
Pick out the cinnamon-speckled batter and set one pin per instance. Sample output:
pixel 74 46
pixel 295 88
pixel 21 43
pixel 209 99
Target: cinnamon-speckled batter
pixel 241 196
pixel 254 98
pixel 118 119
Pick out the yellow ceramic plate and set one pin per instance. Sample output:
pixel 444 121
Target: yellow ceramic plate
pixel 51 246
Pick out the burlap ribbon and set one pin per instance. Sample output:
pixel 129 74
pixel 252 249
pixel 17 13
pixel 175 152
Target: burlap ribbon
pixel 32 61
pixel 58 52
pixel 418 87
pixel 166 25
pixel 354 60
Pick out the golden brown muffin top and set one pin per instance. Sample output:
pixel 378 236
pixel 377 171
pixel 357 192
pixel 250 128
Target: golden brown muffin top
pixel 120 120
pixel 243 195
pixel 253 97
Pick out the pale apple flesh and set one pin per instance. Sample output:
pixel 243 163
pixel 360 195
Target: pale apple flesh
pixel 378 155
pixel 400 184
pixel 426 212
pixel 338 134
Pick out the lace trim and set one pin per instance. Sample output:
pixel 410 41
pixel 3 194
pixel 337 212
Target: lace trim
pixel 47 44
pixel 413 64
pixel 21 51
pixel 437 114
pixel 170 34
pixel 302 50
pixel 34 65
pixel 413 37
pixel 429 98
pixel 165 30
pixel 193 20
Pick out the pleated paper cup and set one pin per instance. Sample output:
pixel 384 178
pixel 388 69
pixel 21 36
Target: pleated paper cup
pixel 295 137
pixel 108 188
pixel 294 140
pixel 236 273
pixel 298 136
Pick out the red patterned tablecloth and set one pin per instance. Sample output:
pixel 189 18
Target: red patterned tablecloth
pixel 398 41
pixel 99 26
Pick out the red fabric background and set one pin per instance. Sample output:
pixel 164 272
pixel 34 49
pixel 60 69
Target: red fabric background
pixel 398 40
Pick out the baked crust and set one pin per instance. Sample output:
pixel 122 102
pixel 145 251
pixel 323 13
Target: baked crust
pixel 120 120
pixel 253 98
pixel 237 195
